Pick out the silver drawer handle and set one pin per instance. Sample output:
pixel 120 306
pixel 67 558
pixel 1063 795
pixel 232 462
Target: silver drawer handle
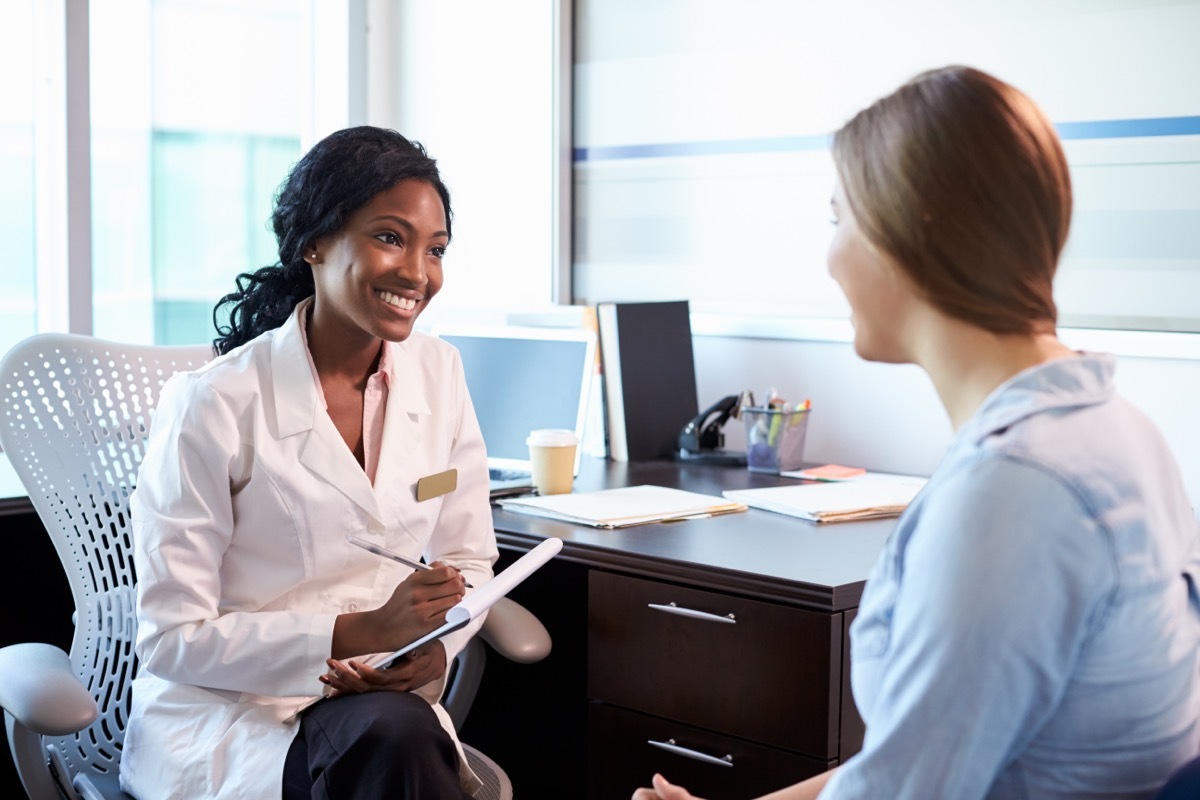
pixel 670 746
pixel 671 608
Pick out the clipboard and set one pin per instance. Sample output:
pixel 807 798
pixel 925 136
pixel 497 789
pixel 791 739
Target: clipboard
pixel 481 599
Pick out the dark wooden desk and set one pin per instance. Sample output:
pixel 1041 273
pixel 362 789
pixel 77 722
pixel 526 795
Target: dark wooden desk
pixel 770 690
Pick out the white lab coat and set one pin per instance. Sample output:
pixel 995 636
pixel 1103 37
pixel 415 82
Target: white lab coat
pixel 244 501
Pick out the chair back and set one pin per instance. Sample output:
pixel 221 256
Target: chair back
pixel 1184 784
pixel 74 420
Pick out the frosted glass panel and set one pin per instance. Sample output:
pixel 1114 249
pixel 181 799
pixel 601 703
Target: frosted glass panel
pixel 701 132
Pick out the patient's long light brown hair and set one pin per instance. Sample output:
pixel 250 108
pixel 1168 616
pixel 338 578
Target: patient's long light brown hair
pixel 962 180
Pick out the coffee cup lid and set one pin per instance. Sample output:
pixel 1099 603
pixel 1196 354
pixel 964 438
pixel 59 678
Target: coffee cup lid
pixel 552 437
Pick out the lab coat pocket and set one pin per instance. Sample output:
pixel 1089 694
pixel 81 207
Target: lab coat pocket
pixel 175 723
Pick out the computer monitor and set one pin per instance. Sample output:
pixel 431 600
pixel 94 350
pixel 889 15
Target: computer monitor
pixel 521 379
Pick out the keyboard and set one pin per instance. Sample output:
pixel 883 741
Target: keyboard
pixel 508 482
pixel 499 474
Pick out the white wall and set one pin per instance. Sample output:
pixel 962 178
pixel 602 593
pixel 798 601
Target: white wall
pixel 888 417
pixel 1168 391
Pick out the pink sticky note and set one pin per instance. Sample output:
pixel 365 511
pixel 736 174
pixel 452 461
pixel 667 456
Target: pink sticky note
pixel 832 472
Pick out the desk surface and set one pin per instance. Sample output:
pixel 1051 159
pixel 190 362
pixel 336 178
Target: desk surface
pixel 754 553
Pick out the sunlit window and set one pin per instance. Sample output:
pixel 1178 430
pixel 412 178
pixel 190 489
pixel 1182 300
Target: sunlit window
pixel 196 119
pixel 19 269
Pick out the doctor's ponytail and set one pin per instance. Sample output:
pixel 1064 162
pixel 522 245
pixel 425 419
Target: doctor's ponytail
pixel 263 301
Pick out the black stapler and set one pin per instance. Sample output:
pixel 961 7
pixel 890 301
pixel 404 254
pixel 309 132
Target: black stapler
pixel 703 441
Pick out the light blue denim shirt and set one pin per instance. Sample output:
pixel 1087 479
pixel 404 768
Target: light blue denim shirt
pixel 1032 628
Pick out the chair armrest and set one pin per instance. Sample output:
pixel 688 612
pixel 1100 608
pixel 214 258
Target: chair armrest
pixel 40 690
pixel 515 633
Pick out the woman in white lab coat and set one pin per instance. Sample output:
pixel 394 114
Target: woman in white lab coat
pixel 324 416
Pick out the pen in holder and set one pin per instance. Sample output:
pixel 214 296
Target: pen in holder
pixel 775 438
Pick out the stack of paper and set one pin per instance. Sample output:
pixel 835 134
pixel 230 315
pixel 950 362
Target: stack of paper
pixel 620 508
pixel 875 494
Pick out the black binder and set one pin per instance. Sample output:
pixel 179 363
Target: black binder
pixel 649 377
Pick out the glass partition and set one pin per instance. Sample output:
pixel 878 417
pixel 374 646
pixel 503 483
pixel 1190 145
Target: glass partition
pixel 701 168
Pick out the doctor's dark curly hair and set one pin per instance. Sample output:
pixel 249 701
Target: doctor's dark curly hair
pixel 339 175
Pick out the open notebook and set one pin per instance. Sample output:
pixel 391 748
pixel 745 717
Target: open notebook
pixel 875 494
pixel 521 379
pixel 621 508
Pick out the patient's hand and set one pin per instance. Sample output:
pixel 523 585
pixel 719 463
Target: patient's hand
pixel 663 791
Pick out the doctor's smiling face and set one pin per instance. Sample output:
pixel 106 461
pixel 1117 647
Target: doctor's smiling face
pixel 362 221
pixel 375 276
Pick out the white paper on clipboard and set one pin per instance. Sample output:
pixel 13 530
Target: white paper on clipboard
pixel 481 599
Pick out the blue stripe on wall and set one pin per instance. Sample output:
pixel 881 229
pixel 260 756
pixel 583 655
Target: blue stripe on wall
pixel 1098 129
pixel 1130 128
pixel 778 144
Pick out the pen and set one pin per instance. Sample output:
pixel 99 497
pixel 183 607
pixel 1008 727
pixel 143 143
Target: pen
pixel 381 551
pixel 686 517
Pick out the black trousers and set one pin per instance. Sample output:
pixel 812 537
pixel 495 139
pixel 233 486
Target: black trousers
pixel 375 745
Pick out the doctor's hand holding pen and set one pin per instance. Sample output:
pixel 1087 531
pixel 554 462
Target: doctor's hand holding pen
pixel 417 606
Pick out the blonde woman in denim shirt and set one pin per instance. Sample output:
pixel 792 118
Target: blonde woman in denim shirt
pixel 1032 629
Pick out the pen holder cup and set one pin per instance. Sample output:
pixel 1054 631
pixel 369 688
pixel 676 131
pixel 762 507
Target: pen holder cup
pixel 774 439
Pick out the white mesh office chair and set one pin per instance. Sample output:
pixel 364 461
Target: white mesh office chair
pixel 74 419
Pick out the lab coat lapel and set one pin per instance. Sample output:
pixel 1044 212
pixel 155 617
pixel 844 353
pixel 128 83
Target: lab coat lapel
pixel 403 442
pixel 300 412
pixel 325 453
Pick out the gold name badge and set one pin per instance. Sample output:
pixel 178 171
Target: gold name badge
pixel 437 485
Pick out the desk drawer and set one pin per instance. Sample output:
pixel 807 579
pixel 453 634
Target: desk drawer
pixel 751 669
pixel 621 758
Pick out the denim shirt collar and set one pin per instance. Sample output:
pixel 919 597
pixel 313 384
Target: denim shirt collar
pixel 1084 380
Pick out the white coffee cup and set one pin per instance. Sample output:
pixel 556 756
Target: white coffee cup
pixel 552 453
